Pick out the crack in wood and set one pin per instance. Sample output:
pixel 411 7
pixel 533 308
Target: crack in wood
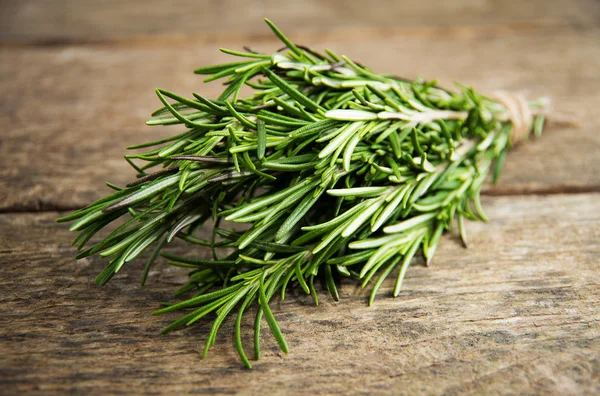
pixel 464 32
pixel 490 191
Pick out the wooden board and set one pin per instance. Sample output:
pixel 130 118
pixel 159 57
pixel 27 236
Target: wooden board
pixel 59 22
pixel 515 313
pixel 61 141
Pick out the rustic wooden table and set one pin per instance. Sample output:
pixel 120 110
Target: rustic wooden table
pixel 515 313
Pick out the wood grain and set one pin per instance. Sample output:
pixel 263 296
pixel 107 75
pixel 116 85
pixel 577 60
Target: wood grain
pixel 516 313
pixel 59 22
pixel 66 124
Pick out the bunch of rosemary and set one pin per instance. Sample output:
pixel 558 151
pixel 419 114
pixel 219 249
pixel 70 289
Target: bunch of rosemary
pixel 337 170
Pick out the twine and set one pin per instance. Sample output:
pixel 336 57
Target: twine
pixel 518 113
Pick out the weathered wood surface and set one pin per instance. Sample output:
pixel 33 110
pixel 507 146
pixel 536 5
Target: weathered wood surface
pixel 59 22
pixel 66 124
pixel 516 313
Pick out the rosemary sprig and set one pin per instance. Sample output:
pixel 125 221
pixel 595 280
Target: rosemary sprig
pixel 339 171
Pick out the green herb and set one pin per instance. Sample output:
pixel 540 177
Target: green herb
pixel 337 170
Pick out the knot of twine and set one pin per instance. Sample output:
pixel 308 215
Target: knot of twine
pixel 518 112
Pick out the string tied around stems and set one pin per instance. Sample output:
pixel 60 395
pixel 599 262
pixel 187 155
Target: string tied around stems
pixel 518 112
pixel 522 113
